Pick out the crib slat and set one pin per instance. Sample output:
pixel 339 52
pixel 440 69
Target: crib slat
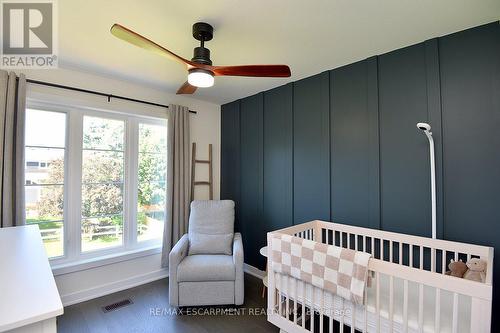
pixel 437 315
pixel 410 248
pixel 322 310
pixel 356 242
pixel 391 256
pixel 377 277
pixel 348 240
pixel 342 313
pixel 400 258
pixel 433 260
pixel 364 243
pixel 421 307
pixel 373 246
pixel 330 318
pixel 303 304
pixel 341 239
pixel 353 318
pixel 327 236
pixel 455 313
pixel 287 293
pixel 421 257
pixel 456 256
pixel 278 277
pixel 405 306
pixel 391 303
pixel 295 302
pixel 312 309
pixel 381 249
pixel 365 319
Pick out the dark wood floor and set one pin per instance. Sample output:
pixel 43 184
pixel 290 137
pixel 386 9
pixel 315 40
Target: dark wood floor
pixel 150 312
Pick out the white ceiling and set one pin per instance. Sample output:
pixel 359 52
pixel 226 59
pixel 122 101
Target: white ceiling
pixel 308 35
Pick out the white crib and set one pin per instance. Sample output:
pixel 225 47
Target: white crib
pixel 409 291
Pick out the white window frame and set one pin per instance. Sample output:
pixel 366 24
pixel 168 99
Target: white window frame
pixel 74 259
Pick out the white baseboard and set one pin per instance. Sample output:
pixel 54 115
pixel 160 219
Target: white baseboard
pixel 109 288
pixel 254 271
pixel 137 280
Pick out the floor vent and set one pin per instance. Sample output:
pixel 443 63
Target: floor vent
pixel 116 305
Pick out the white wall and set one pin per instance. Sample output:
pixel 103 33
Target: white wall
pixel 205 129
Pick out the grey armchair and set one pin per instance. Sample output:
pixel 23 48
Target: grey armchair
pixel 206 265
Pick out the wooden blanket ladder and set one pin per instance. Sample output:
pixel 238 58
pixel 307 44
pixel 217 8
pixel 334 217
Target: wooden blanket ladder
pixel 195 161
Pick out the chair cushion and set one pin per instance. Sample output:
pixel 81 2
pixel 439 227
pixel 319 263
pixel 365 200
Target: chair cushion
pixel 206 267
pixel 211 227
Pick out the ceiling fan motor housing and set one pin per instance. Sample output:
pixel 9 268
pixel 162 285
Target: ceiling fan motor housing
pixel 203 32
pixel 202 55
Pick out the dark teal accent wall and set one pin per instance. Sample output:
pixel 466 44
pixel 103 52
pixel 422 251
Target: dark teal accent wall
pixel 311 152
pixel 278 158
pixel 354 144
pixel 343 146
pixel 230 158
pixel 252 177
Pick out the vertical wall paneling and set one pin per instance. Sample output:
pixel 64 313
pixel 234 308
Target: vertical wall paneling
pixel 278 173
pixel 230 155
pixel 251 205
pixel 470 90
pixel 311 145
pixel 404 150
pixel 354 144
pixel 349 150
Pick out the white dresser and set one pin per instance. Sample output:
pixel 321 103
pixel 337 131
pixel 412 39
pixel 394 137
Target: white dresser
pixel 29 300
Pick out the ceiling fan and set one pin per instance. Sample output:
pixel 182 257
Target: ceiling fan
pixel 200 70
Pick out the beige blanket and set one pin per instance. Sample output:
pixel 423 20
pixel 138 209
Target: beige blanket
pixel 340 271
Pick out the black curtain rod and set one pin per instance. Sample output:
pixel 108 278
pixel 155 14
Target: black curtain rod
pixel 109 96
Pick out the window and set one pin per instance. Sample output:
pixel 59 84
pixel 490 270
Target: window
pixel 102 183
pixel 95 181
pixel 151 181
pixel 44 187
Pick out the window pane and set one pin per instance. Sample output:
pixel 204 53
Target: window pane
pixel 102 183
pixel 152 138
pixel 53 238
pixel 44 166
pixel 102 199
pixel 45 128
pixel 151 181
pixel 103 232
pixel 100 133
pixel 102 166
pixel 44 203
pixel 44 176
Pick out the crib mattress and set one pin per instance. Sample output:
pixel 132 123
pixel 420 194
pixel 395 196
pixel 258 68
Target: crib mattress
pixel 334 303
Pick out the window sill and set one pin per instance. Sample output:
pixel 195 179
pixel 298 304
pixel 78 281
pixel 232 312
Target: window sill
pixel 76 266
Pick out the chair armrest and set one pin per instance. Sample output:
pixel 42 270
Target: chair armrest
pixel 237 250
pixel 176 255
pixel 178 252
pixel 239 287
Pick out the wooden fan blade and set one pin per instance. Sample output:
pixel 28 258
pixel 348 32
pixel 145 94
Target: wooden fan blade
pixel 186 88
pixel 252 70
pixel 134 38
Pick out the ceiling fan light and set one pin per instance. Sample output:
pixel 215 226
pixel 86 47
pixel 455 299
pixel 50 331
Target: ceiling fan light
pixel 200 78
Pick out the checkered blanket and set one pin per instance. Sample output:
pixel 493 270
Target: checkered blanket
pixel 341 271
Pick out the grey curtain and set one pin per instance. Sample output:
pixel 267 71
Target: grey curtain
pixel 178 179
pixel 12 120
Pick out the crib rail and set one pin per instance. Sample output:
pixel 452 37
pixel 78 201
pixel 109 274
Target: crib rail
pixel 416 261
pixel 413 251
